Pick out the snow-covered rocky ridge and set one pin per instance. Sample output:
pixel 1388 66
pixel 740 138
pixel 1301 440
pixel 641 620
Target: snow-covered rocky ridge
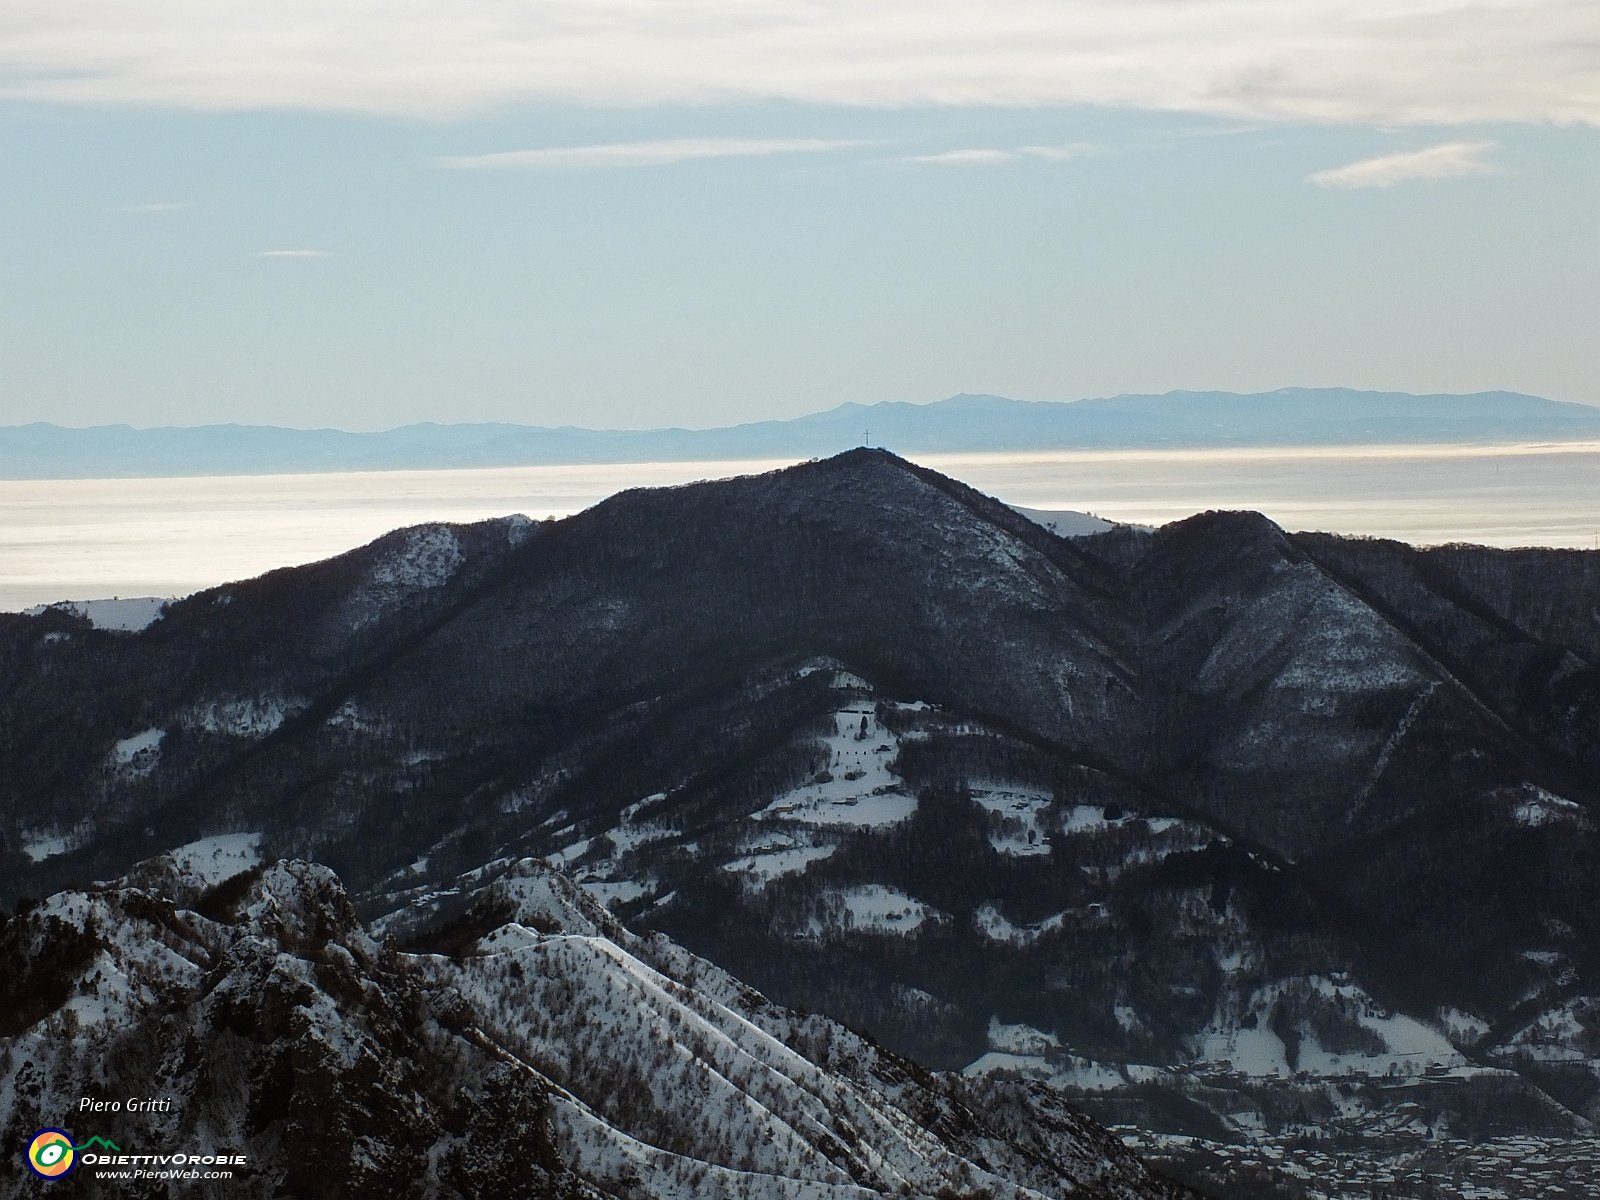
pixel 538 1049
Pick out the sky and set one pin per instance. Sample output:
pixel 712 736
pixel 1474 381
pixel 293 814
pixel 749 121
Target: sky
pixel 634 213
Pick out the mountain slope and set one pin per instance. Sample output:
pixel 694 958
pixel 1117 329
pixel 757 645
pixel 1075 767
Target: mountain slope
pixel 552 1054
pixel 1108 811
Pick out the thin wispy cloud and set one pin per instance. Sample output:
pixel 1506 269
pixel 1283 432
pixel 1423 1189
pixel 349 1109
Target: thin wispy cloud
pixel 980 156
pixel 973 157
pixel 160 206
pixel 1321 61
pixel 1210 131
pixel 637 154
pixel 296 253
pixel 1449 160
pixel 1060 153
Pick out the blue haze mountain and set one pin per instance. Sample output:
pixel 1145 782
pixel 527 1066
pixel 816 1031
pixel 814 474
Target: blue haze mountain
pixel 962 423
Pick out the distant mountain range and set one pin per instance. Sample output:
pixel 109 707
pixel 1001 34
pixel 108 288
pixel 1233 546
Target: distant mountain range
pixel 964 423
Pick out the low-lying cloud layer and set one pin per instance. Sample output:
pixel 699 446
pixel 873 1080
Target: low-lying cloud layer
pixel 1357 61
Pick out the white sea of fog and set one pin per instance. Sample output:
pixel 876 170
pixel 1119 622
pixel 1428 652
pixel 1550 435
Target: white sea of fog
pixel 88 539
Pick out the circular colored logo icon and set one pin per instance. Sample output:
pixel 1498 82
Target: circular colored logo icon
pixel 50 1153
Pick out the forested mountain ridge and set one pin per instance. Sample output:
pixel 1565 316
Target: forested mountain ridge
pixel 1107 811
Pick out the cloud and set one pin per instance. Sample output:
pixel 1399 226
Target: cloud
pixel 160 206
pixel 965 158
pixel 1340 61
pixel 1061 153
pixel 636 154
pixel 294 254
pixel 989 157
pixel 1449 160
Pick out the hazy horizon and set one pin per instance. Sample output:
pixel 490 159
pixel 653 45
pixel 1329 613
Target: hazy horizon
pixel 93 539
pixel 823 407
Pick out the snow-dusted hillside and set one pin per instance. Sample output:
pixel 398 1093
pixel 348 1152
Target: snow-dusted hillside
pixel 547 1052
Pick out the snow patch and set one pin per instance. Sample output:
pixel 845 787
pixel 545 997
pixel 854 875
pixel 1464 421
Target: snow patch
pixel 137 754
pixel 1256 1051
pixel 1017 829
pixel 1065 522
pixel 853 811
pixel 1020 1039
pixel 570 854
pixel 628 837
pixel 1021 1050
pixel 1460 1026
pixel 856 787
pixel 118 615
pixel 1558 1034
pixel 517 527
pixel 427 557
pixel 1081 818
pixel 40 844
pixel 1538 807
pixel 992 923
pixel 843 680
pixel 214 859
pixel 872 908
pixel 252 717
pixel 1234 959
pixel 1408 1047
pixel 420 558
pixel 767 865
pixel 1346 648
pixel 348 716
pixel 609 892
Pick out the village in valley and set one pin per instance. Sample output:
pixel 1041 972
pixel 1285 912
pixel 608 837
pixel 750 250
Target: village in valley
pixel 1403 1165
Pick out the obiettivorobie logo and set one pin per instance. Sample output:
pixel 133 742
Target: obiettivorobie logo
pixel 51 1154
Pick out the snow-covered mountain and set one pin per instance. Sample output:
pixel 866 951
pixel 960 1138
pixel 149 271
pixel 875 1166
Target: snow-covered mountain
pixel 538 1050
pixel 963 423
pixel 1229 832
pixel 1064 522
pixel 125 615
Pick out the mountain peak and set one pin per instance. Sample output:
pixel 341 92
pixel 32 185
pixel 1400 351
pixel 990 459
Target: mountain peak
pixel 863 458
pixel 975 401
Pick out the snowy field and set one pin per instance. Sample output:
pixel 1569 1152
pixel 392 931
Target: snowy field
pixel 856 788
pixel 217 858
pixel 82 538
